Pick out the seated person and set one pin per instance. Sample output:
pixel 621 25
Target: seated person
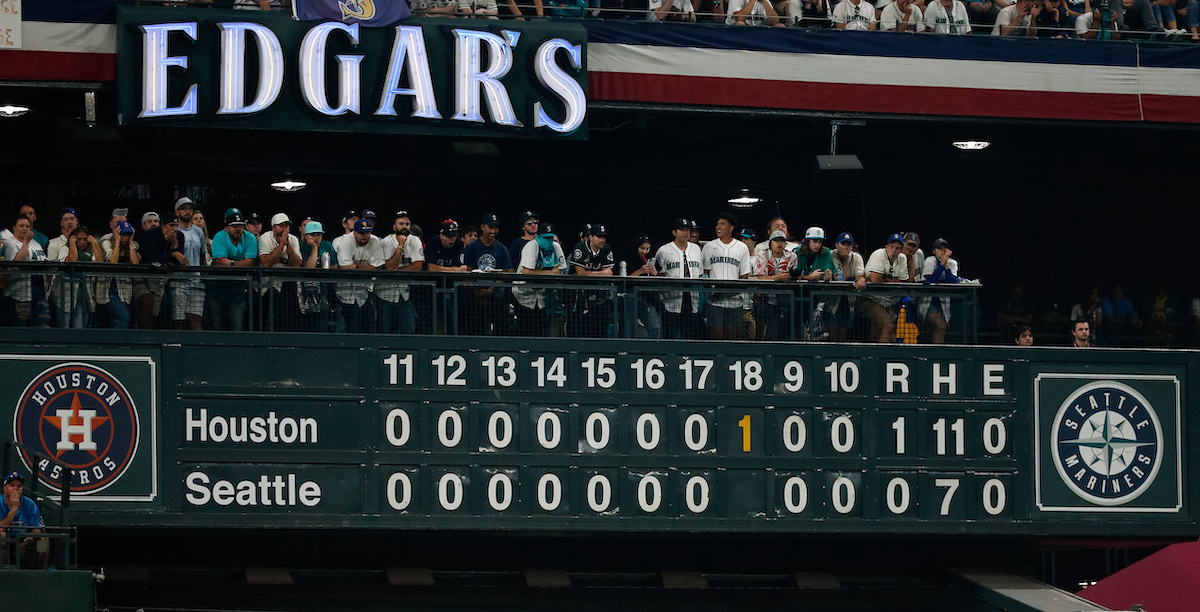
pixel 21 519
pixel 902 16
pixel 854 15
pixel 752 12
pixel 1018 19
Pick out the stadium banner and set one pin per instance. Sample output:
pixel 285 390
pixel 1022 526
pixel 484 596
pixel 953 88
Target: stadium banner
pixel 264 70
pixel 613 435
pixel 10 24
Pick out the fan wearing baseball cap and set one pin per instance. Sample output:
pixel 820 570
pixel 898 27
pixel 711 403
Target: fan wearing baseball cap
pixel 357 251
pixel 940 268
pixel 848 266
pixel 814 261
pixel 885 265
pixel 280 248
pixel 680 258
pixel 444 252
pixel 486 311
pixel 773 264
pixel 592 310
pixel 529 230
pixel 232 247
pixel 916 257
pixel 20 519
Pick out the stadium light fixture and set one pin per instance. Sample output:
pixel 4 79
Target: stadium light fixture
pixel 744 201
pixel 288 186
pixel 971 145
pixel 13 110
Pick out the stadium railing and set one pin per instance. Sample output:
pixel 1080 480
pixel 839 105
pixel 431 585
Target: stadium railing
pixel 74 295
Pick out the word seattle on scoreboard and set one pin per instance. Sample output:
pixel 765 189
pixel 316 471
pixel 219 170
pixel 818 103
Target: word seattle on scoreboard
pixel 639 436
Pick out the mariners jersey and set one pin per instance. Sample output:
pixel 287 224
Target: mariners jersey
pixel 583 257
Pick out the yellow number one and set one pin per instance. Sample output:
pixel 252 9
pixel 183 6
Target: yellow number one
pixel 745 425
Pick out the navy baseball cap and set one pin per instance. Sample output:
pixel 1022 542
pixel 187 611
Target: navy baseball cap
pixel 364 226
pixel 123 227
pixel 14 476
pixel 529 214
pixel 845 237
pixel 895 238
pixel 598 230
pixel 694 224
pixel 545 228
pixel 254 218
pixel 66 211
pixel 235 218
pixel 367 214
pixel 401 213
pixel 350 215
pixel 490 220
pixel 680 224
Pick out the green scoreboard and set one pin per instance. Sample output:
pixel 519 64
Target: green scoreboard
pixel 609 435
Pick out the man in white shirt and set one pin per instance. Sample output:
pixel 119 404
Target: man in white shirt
pixel 1019 19
pixel 187 295
pixel 542 255
pixel 854 15
pixel 404 253
pixel 27 291
pixel 901 16
pixel 279 248
pixel 63 293
pixel 672 10
pixel 886 265
pixel 680 258
pixel 947 17
pixel 752 12
pixel 357 251
pixel 726 259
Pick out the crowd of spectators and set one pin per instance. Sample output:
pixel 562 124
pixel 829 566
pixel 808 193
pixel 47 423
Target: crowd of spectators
pixel 183 238
pixel 1088 19
pixel 362 240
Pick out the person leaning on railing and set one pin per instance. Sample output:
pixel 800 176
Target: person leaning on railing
pixel 940 268
pixel 947 17
pixel 848 266
pixel 114 294
pixel 21 518
pixel 26 292
pixel 885 265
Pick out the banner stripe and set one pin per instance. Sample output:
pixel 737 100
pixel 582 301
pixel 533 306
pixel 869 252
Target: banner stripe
pixel 963 102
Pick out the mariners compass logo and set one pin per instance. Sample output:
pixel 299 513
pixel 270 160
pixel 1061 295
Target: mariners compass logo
pixel 1108 443
pixel 80 416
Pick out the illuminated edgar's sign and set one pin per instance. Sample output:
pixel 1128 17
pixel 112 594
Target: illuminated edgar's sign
pixel 422 76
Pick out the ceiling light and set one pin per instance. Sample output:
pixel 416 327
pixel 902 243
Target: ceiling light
pixel 289 185
pixel 971 145
pixel 745 200
pixel 11 110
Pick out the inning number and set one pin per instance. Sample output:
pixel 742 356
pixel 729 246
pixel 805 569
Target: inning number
pixel 393 362
pixel 746 375
pixel 455 365
pixel 843 378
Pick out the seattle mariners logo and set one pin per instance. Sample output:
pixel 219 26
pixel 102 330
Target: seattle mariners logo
pixel 487 262
pixel 1107 443
pixel 359 9
pixel 80 416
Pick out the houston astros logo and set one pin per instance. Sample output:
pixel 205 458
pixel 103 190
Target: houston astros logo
pixel 1107 443
pixel 80 416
